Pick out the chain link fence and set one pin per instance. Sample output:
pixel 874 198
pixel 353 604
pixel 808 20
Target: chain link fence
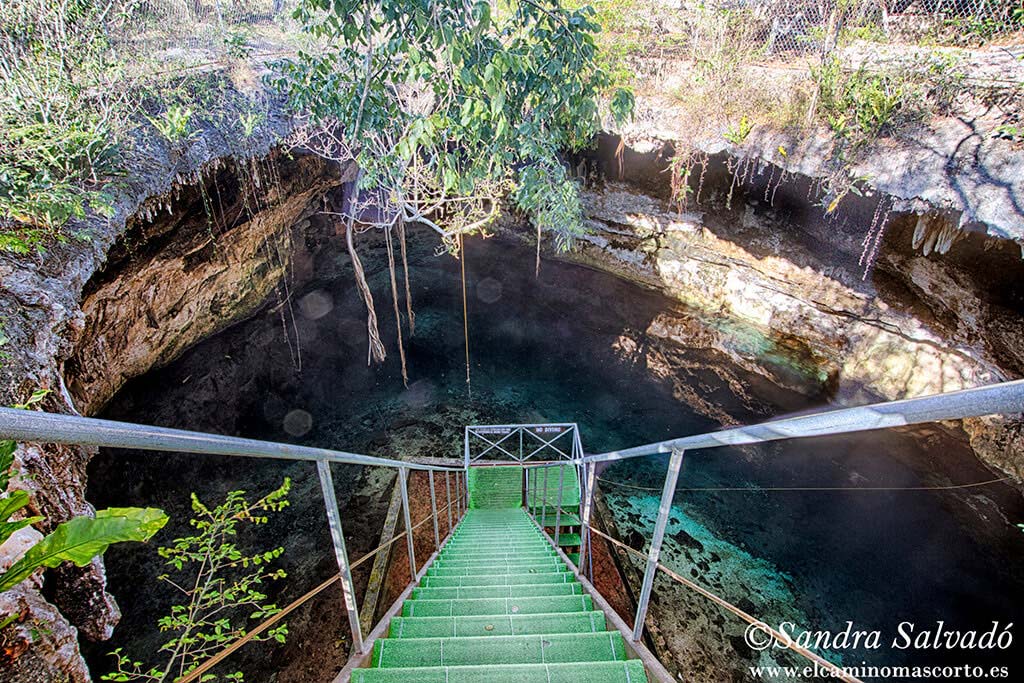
pixel 781 29
pixel 188 28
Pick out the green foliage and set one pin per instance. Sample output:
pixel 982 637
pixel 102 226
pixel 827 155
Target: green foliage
pixel 739 134
pixel 221 589
pixel 4 355
pixel 1011 132
pixel 59 127
pixel 237 45
pixel 982 27
pixel 78 540
pixel 553 199
pixel 445 104
pixel 249 122
pixel 174 123
pixel 862 105
pixel 858 106
pixel 869 32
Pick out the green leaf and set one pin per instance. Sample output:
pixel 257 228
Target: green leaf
pixel 6 461
pixel 80 539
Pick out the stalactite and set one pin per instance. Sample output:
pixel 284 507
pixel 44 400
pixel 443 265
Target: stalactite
pixel 935 233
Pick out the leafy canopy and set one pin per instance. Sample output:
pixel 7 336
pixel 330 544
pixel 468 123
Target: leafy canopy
pixel 449 106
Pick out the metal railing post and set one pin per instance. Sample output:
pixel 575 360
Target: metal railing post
pixel 544 503
pixel 448 497
pixel 520 444
pixel 588 503
pixel 455 490
pixel 466 457
pixel 667 493
pixel 433 510
pixel 558 505
pixel 458 496
pixel 348 590
pixel 465 484
pixel 403 482
pixel 532 511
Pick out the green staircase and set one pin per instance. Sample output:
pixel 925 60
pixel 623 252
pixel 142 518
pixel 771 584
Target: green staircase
pixel 569 536
pixel 499 606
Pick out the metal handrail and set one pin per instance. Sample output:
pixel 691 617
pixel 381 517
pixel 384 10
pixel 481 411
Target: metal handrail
pixel 519 451
pixel 25 425
pixel 1007 397
pixel 32 425
pixel 37 426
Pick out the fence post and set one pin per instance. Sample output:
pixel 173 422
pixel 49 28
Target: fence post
pixel 448 497
pixel 403 482
pixel 667 493
pixel 558 505
pixel 590 469
pixel 533 508
pixel 348 591
pixel 544 503
pixel 455 490
pixel 433 509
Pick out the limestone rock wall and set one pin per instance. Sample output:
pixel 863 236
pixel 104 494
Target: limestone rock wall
pixel 785 297
pixel 199 238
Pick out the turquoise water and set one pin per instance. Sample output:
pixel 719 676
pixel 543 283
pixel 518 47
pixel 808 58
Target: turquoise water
pixel 573 346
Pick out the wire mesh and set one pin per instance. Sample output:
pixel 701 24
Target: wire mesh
pixel 773 30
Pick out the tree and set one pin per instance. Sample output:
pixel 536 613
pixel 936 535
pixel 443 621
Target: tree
pixel 221 589
pixel 449 107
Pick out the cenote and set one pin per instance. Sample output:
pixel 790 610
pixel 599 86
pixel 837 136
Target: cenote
pixel 818 532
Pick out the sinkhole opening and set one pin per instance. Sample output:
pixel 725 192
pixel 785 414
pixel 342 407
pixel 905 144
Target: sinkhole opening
pixel 778 529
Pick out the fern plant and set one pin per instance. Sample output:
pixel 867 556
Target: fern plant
pixel 174 124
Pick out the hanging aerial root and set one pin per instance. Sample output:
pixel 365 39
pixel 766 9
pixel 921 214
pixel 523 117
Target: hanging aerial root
pixel 394 301
pixel 465 317
pixel 376 351
pixel 536 270
pixel 405 270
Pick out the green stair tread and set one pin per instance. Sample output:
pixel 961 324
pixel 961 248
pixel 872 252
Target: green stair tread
pixel 630 671
pixel 568 540
pixel 495 487
pixel 496 579
pixel 570 486
pixel 502 625
pixel 478 606
pixel 556 648
pixel 510 591
pixel 468 570
pixel 499 605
